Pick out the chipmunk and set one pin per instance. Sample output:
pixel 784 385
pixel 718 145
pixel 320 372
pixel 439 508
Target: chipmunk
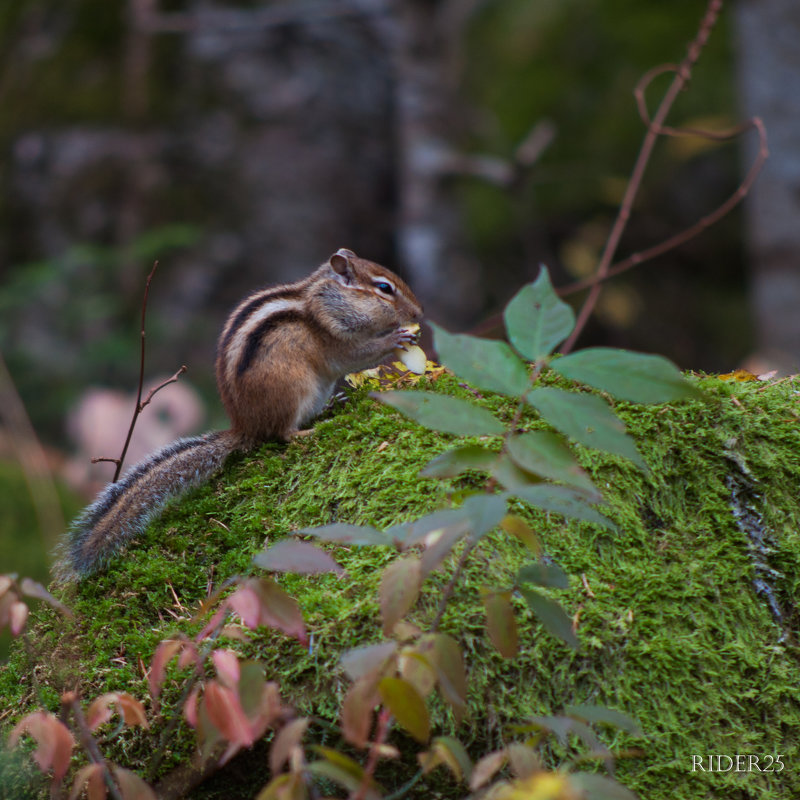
pixel 279 356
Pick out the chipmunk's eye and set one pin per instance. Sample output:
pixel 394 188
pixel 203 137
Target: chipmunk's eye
pixel 384 287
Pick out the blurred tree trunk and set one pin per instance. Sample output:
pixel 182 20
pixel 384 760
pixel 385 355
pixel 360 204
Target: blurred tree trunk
pixel 423 38
pixel 769 76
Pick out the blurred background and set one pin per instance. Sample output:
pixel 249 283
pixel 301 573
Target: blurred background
pixel 460 142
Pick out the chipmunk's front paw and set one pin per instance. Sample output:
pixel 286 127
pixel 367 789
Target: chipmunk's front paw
pixel 406 336
pixel 407 350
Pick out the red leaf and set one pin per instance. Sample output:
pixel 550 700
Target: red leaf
pixel 500 622
pixel 190 706
pixel 486 768
pixel 276 609
pixel 33 589
pixel 357 710
pixel 158 667
pixel 362 660
pixel 100 710
pixel 132 710
pixel 132 786
pixel 226 714
pixel 244 602
pixel 286 740
pixel 53 738
pixel 446 655
pixel 398 591
pixel 216 620
pixel 90 776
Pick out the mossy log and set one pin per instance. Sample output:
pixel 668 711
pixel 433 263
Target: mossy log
pixel 687 614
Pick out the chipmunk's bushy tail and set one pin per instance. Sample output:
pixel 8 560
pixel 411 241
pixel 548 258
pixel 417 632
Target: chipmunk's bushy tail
pixel 123 509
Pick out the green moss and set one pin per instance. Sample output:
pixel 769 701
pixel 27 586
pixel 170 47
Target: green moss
pixel 672 631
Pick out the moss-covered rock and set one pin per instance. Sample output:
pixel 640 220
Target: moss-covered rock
pixel 685 614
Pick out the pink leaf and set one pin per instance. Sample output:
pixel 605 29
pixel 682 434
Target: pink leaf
pixel 276 609
pixel 216 620
pixel 132 786
pixel 90 776
pixel 33 589
pixel 285 742
pixel 226 714
pixel 100 710
pixel 158 667
pixel 226 663
pixel 244 601
pixel 53 738
pixel 190 707
pixel 19 614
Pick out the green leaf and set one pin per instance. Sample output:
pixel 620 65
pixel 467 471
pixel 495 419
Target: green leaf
pixel 537 320
pixel 488 364
pixel 607 716
pixel 343 770
pixel 551 615
pixel 360 661
pixel 543 574
pixel 453 462
pixel 519 528
pixel 407 534
pixel 408 707
pixel 450 752
pixel 600 787
pixel 545 453
pixel 348 534
pixel 637 377
pixel 442 413
pixel 561 500
pixel 484 512
pixel 586 418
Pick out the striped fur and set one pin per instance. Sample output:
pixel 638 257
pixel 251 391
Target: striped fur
pixel 123 509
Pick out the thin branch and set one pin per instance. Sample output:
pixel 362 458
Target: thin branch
pixel 698 227
pixel 381 733
pixel 451 584
pixel 138 409
pixel 160 386
pixel 679 81
pixel 140 404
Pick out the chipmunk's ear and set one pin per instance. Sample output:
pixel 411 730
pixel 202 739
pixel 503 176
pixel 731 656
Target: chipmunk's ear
pixel 342 266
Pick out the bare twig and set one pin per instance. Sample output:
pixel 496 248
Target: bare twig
pixel 707 221
pixel 682 74
pixel 160 386
pixel 140 404
pixel 381 733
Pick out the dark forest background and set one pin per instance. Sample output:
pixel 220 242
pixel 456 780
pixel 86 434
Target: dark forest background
pixel 460 142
